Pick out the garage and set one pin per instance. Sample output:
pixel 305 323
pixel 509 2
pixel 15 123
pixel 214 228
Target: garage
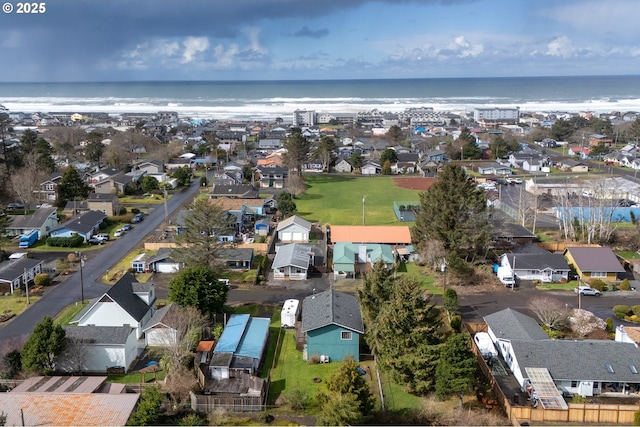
pixel 299 237
pixel 286 236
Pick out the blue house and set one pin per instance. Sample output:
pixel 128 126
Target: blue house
pixel 240 347
pixel 85 224
pixel 332 324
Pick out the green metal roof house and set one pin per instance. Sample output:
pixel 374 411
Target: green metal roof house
pixel 332 323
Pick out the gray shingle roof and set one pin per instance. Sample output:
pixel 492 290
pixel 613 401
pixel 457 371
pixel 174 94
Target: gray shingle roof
pixel 532 261
pixel 331 308
pixel 11 270
pixel 596 259
pixel 295 219
pixel 35 221
pixel 99 334
pixel 85 222
pixel 295 254
pixel 162 316
pixel 512 325
pixel 123 294
pixel 580 360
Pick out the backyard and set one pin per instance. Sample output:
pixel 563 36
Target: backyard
pixel 338 200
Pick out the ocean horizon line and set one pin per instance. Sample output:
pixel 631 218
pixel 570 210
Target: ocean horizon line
pixel 307 81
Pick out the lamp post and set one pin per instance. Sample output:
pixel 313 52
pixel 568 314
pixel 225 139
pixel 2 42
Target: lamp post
pixel 81 278
pixel 443 268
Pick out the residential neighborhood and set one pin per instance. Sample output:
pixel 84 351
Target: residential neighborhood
pixel 170 266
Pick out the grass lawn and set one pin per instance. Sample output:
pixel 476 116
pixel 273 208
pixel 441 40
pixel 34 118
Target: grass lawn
pixel 628 254
pixel 16 303
pixel 135 378
pixel 152 199
pixel 338 200
pixel 569 286
pixel 426 278
pixel 69 312
pixel 118 270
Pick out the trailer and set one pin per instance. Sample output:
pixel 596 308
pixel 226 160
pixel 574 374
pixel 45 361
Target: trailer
pixel 28 239
pixel 290 311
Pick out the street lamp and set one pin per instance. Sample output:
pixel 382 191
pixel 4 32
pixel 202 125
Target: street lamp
pixel 443 268
pixel 79 254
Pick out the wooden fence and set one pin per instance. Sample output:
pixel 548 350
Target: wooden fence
pixel 561 246
pixel 260 248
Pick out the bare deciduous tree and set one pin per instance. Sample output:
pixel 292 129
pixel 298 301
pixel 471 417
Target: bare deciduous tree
pixel 25 183
pixel 182 335
pixel 179 383
pixel 76 354
pixel 550 311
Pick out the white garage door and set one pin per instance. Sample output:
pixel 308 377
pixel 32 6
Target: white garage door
pixel 286 236
pixel 298 237
pixel 167 267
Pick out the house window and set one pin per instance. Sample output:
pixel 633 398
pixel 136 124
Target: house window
pixel 49 187
pixel 574 384
pixel 345 335
pixel 601 274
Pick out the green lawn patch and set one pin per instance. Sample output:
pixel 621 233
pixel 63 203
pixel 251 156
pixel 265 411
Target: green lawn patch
pixel 422 275
pixel 569 286
pixel 628 254
pixel 292 373
pixel 338 200
pixel 135 377
pixel 16 303
pixel 69 312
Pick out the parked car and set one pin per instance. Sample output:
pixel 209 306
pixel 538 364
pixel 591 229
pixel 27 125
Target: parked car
pixel 119 232
pixel 126 227
pixel 102 236
pixel 587 290
pixel 95 241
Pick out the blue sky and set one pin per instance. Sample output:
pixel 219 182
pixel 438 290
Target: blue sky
pixel 130 40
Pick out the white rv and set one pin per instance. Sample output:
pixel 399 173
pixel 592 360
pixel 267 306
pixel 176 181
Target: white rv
pixel 289 313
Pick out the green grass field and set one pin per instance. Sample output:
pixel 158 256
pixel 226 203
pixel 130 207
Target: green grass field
pixel 337 200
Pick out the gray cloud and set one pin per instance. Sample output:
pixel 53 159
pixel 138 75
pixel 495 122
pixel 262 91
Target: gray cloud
pixel 314 34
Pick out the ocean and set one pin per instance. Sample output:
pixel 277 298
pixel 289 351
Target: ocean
pixel 266 100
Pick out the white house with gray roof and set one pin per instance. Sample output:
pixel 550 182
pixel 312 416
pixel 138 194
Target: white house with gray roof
pixel 128 302
pixel 531 262
pixel 97 349
pixel 294 229
pixel 584 367
pixel 292 261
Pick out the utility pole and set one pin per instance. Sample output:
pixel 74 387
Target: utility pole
pixel 166 212
pixel 26 285
pixel 81 278
pixel 363 199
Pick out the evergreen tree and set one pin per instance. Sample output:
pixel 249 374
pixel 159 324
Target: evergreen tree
pixel 324 151
pixel 71 186
pixel 388 155
pixel 285 204
pixel 355 160
pixel 298 149
pixel 456 368
pixel 199 287
pixel 198 242
pixel 395 134
pixel 347 380
pixel 453 212
pixel 386 168
pixel 182 175
pixel 44 152
pixel 409 330
pixel 150 183
pixel 451 302
pixel 40 352
pixel 148 409
pixel 340 410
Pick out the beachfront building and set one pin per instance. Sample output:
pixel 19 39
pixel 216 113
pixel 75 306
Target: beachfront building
pixel 304 118
pixel 496 115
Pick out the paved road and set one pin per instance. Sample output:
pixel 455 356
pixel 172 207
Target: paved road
pixel 475 307
pixel 69 291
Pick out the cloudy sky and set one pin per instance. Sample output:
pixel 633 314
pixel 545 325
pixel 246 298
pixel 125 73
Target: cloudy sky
pixel 130 40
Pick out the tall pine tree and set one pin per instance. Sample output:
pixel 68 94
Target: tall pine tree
pixel 453 211
pixel 71 186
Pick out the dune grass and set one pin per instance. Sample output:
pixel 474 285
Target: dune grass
pixel 337 200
